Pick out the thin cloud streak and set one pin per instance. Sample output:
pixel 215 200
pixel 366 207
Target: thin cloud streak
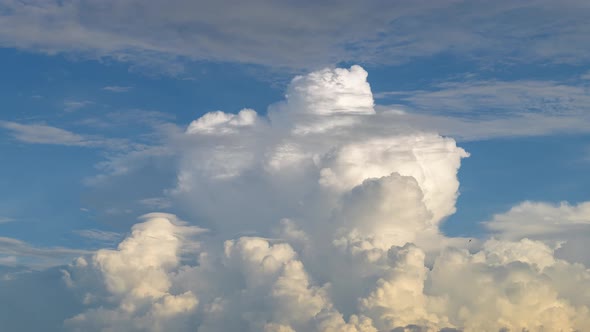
pixel 117 88
pixel 4 220
pixel 17 252
pixel 45 134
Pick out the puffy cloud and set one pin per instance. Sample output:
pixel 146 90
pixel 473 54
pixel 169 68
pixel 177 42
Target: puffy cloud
pixel 219 123
pixel 324 218
pixel 562 226
pixel 331 91
pixel 324 140
pixel 398 299
pixel 538 219
pixel 483 293
pixel 137 278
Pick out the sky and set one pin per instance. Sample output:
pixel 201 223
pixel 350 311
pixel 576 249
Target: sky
pixel 299 166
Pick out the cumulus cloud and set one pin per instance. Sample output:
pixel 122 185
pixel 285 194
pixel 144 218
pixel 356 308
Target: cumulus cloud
pixel 136 277
pixel 561 226
pixel 324 215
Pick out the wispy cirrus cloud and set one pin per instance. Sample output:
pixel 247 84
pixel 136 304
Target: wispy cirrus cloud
pixel 14 251
pixel 99 235
pixel 156 203
pixel 490 98
pixel 481 109
pixel 117 88
pixel 74 105
pixel 464 129
pixel 6 219
pixel 45 134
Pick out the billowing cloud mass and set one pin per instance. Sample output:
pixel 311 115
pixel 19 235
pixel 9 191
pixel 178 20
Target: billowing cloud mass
pixel 324 215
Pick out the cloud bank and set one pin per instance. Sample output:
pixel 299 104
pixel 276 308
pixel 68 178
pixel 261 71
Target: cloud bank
pixel 295 35
pixel 324 215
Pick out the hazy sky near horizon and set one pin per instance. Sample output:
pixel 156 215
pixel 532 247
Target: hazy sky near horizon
pixel 294 165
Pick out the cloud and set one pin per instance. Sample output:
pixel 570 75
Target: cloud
pixel 98 235
pixel 561 226
pixel 156 203
pixel 539 219
pixel 15 252
pixel 490 127
pixel 272 34
pixel 129 117
pixel 6 219
pixel 74 105
pixel 493 98
pixel 137 276
pixel 117 88
pixel 486 109
pixel 324 215
pixel 45 134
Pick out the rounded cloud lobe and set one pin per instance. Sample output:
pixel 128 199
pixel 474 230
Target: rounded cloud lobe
pixel 324 216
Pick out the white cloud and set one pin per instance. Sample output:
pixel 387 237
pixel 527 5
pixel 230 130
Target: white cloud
pixel 343 233
pixel 273 34
pixel 137 276
pixel 6 219
pixel 17 252
pixel 561 226
pixel 117 88
pixel 539 219
pixel 99 235
pixel 45 134
pixel 74 105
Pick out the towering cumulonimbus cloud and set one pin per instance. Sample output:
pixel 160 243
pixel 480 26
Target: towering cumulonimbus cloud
pixel 324 215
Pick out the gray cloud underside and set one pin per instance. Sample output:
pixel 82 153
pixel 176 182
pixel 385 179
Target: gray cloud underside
pixel 299 34
pixel 475 110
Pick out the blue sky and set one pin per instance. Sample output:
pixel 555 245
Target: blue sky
pixel 98 100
